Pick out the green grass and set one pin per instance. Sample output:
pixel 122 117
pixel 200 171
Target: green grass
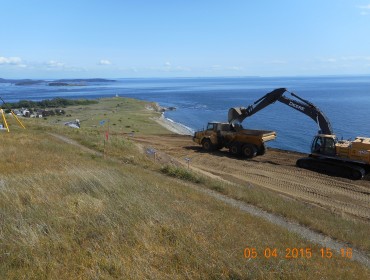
pixel 122 115
pixel 181 173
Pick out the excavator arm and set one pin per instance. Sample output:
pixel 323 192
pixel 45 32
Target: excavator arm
pixel 310 110
pixel 240 113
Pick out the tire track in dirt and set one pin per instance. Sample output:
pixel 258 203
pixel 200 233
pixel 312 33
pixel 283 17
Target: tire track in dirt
pixel 275 171
pixel 313 190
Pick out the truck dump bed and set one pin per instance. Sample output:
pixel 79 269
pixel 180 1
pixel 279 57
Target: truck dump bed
pixel 255 132
pixel 264 135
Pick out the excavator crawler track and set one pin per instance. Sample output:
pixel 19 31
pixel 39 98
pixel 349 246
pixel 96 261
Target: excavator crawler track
pixel 332 167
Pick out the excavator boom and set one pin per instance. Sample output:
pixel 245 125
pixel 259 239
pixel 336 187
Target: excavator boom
pixel 238 114
pixel 311 111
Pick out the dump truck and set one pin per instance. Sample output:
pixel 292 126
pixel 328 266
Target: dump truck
pixel 343 158
pixel 240 142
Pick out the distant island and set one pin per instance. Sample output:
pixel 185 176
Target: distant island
pixel 60 82
pixel 21 82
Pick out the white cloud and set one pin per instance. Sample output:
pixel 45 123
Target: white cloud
pixel 55 64
pixel 10 60
pixel 342 63
pixel 365 10
pixel 104 62
pixel 167 66
pixel 216 67
pixel 365 7
pixel 332 60
pixel 353 59
pixel 17 61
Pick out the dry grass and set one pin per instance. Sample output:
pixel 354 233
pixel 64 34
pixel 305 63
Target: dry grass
pixel 350 230
pixel 67 215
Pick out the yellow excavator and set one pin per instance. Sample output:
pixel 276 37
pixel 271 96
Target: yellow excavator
pixel 344 158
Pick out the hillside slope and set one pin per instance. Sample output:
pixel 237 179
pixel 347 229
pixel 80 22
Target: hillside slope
pixel 70 214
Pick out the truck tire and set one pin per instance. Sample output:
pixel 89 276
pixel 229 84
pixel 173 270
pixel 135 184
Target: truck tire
pixel 234 149
pixel 207 145
pixel 249 151
pixel 219 147
pixel 262 150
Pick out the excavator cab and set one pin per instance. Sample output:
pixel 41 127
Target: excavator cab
pixel 324 145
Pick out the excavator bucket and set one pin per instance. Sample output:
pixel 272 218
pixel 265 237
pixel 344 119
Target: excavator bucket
pixel 236 114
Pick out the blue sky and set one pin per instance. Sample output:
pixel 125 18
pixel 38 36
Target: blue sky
pixel 193 38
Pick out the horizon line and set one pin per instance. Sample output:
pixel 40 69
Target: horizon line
pixel 197 77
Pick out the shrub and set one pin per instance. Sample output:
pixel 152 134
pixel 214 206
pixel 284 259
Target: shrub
pixel 181 173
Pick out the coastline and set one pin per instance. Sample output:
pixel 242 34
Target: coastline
pixel 172 126
pixel 167 123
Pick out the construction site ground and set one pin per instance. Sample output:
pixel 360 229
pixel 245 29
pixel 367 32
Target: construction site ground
pixel 275 171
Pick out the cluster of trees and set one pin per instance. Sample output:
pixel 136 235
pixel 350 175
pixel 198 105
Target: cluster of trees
pixel 49 103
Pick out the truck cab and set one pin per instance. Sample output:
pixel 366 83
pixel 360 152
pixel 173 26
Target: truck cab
pixel 210 134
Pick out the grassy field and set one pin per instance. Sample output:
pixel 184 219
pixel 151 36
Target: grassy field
pixel 67 214
pixel 124 115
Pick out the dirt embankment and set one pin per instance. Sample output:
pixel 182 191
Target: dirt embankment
pixel 275 171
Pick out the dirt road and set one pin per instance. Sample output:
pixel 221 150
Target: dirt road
pixel 275 171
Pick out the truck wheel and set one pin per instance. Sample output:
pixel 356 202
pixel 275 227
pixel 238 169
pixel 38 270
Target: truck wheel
pixel 235 149
pixel 249 151
pixel 219 147
pixel 207 145
pixel 262 150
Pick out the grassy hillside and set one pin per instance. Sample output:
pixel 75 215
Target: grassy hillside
pixel 68 214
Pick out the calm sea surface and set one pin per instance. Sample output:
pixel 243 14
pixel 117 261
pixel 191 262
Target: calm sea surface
pixel 345 101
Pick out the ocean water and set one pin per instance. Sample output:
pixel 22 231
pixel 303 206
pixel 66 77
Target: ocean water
pixel 344 100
